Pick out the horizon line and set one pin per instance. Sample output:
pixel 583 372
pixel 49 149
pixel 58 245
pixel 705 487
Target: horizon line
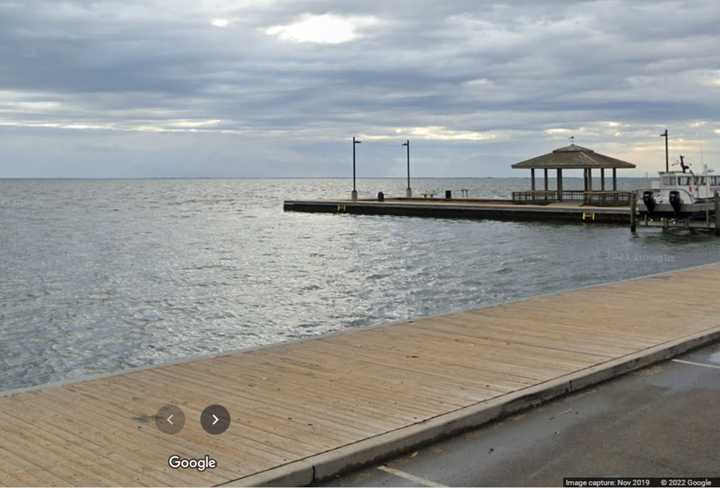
pixel 99 178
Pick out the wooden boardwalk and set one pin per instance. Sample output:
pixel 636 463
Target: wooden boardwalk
pixel 296 400
pixel 570 212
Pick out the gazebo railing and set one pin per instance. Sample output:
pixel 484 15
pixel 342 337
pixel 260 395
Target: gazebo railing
pixel 589 197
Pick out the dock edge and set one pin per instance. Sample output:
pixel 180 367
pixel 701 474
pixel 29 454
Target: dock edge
pixel 387 445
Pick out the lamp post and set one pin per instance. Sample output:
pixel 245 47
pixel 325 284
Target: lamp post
pixel 408 190
pixel 354 190
pixel 667 155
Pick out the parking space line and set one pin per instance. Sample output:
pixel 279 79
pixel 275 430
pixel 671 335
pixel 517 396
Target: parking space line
pixel 693 363
pixel 408 476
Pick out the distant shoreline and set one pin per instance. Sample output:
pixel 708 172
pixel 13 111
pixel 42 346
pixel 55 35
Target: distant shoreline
pixel 151 178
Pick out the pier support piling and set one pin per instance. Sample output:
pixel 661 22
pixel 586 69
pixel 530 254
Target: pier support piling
pixel 716 197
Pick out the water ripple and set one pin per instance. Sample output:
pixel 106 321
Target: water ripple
pixel 98 276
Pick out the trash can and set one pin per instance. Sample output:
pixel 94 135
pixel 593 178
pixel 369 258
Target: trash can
pixel 448 195
pixel 381 196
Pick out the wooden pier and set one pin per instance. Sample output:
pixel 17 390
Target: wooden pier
pixel 568 212
pixel 311 408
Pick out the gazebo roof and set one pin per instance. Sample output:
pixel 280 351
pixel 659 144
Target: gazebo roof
pixel 572 157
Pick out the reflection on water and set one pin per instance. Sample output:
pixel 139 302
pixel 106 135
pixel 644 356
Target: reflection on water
pixel 103 275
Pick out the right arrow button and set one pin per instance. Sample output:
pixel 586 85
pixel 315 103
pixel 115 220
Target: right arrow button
pixel 215 419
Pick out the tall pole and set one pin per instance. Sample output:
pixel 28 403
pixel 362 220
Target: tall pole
pixel 716 199
pixel 354 190
pixel 408 190
pixel 667 154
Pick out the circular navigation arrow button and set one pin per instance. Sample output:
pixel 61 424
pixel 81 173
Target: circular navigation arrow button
pixel 215 419
pixel 170 419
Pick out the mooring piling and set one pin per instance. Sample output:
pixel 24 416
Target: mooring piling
pixel 716 197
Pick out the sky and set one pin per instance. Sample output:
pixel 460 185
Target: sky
pixel 262 88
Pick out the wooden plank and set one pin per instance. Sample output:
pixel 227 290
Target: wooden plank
pixel 188 442
pixel 113 466
pixel 22 472
pixel 358 398
pixel 439 360
pixel 123 439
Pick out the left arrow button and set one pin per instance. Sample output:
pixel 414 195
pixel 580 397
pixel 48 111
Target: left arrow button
pixel 170 419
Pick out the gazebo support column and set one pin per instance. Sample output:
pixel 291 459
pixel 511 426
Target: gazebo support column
pixel 532 180
pixel 614 179
pixel 546 183
pixel 589 179
pixel 602 179
pixel 559 185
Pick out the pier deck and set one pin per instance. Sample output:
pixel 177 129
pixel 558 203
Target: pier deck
pixel 571 212
pixel 334 401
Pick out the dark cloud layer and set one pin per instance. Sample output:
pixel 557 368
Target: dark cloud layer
pixel 152 88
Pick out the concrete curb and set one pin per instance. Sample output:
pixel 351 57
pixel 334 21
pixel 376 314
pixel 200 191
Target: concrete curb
pixel 383 446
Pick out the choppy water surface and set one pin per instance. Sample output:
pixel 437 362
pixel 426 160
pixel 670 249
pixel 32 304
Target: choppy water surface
pixel 97 276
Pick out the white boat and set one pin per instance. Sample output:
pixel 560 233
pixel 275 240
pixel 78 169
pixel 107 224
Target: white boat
pixel 679 194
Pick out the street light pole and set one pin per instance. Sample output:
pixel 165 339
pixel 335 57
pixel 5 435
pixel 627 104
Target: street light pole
pixel 354 190
pixel 667 155
pixel 408 191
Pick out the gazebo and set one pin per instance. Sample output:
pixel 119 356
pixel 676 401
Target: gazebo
pixel 573 157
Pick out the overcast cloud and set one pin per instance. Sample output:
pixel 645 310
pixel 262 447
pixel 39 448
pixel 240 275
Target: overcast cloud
pixel 267 88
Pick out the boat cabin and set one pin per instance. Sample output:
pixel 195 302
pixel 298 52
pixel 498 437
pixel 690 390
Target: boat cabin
pixel 684 179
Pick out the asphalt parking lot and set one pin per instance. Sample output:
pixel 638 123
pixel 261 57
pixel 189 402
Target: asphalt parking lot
pixel 659 421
